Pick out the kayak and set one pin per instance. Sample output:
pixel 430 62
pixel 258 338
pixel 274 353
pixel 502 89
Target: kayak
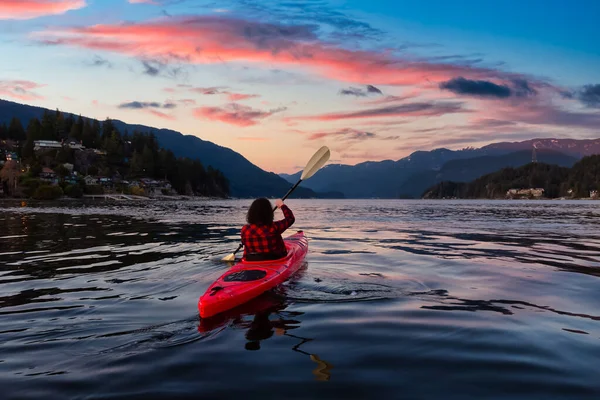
pixel 249 279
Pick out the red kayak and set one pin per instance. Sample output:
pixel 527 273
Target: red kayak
pixel 248 279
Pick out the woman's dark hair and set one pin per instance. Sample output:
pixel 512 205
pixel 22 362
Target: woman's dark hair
pixel 260 212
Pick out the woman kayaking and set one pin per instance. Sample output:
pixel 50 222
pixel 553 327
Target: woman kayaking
pixel 261 237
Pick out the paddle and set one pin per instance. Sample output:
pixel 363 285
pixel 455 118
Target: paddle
pixel 313 165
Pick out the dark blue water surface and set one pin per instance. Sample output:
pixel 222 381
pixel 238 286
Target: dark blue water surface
pixel 397 300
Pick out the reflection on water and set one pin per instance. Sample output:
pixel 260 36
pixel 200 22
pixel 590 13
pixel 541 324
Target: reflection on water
pixel 427 299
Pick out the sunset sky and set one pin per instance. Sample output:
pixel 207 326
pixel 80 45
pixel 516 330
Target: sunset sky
pixel 275 80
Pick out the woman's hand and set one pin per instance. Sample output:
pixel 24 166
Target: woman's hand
pixel 278 203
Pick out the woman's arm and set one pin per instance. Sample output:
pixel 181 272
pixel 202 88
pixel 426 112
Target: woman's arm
pixel 288 218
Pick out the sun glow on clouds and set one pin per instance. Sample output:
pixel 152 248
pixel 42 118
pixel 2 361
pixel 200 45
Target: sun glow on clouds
pixel 20 90
pixel 29 9
pixel 217 39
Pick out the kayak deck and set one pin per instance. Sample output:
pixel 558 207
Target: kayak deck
pixel 248 279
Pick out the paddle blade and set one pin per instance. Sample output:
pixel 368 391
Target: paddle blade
pixel 316 162
pixel 230 257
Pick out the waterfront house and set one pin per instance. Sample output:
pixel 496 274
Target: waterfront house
pixel 535 193
pixel 90 180
pixel 49 176
pixel 74 144
pixel 46 145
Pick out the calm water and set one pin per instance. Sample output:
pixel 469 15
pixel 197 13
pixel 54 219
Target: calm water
pixel 398 300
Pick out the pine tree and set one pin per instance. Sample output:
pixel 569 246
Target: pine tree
pixel 15 130
pixel 3 131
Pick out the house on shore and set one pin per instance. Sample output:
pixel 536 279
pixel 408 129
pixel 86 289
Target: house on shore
pixel 534 193
pixel 42 145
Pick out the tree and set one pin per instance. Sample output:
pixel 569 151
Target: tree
pixel 59 125
pixel 3 131
pixel 35 170
pixel 107 128
pixel 87 134
pixel 48 131
pixel 62 171
pixel 148 162
pixel 76 131
pixel 15 130
pixel 10 175
pixel 96 130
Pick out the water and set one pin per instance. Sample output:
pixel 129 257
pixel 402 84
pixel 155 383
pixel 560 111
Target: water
pixel 398 299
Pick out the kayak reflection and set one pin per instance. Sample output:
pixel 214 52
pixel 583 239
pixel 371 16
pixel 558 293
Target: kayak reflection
pixel 269 318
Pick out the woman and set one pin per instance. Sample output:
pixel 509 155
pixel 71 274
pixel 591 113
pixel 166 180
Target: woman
pixel 261 237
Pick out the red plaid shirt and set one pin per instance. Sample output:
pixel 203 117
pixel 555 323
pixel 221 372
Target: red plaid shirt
pixel 267 238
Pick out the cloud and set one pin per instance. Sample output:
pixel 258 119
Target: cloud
pixel 340 25
pixel 207 90
pixel 417 109
pixel 216 90
pixel 100 62
pixel 538 113
pixel 162 115
pixel 187 102
pixel 143 2
pixel 461 85
pixel 29 9
pixel 155 67
pixel 20 90
pixel 590 95
pixel 234 114
pixel 215 39
pixel 241 96
pixel 394 99
pixel 373 89
pixel 139 105
pixel 150 69
pixel 482 88
pixel 352 91
pixel 344 134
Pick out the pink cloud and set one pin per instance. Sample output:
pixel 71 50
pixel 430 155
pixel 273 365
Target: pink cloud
pixel 234 114
pixel 187 102
pixel 540 112
pixel 19 89
pixel 162 115
pixel 420 109
pixel 344 134
pixel 241 96
pixel 217 39
pixel 29 9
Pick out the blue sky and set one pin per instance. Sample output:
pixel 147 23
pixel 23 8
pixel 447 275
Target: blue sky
pixel 373 80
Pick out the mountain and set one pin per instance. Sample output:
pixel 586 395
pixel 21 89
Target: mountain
pixel 582 180
pixel 409 176
pixel 245 178
pixel 465 170
pixel 575 147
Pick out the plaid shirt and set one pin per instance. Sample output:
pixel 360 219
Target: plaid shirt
pixel 267 238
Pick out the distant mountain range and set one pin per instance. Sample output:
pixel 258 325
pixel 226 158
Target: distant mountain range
pixel 246 179
pixel 410 176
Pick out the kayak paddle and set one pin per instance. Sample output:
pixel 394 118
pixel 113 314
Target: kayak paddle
pixel 314 164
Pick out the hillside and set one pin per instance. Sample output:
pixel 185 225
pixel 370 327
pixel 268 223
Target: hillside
pixel 245 178
pixel 579 181
pixel 465 170
pixel 410 176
